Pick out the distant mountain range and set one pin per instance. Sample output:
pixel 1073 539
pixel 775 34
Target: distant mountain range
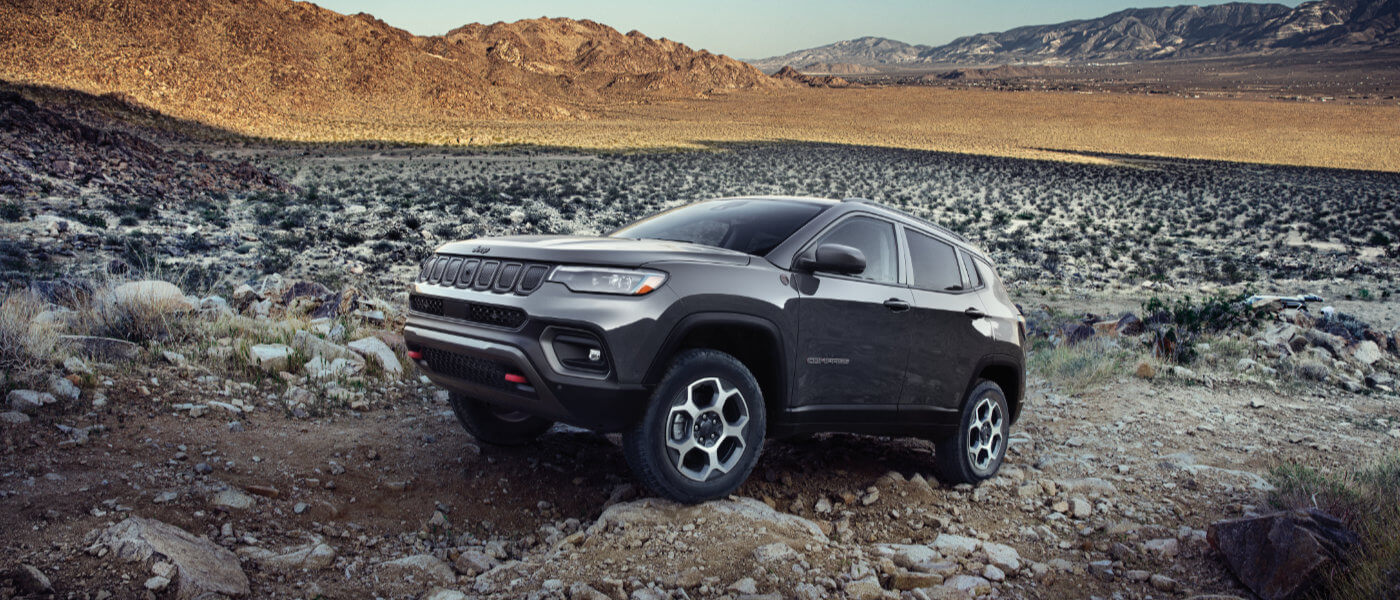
pixel 1135 34
pixel 273 66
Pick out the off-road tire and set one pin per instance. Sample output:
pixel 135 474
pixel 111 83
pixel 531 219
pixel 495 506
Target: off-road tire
pixel 486 423
pixel 953 458
pixel 650 445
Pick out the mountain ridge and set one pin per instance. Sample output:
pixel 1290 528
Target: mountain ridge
pixel 1135 34
pixel 258 65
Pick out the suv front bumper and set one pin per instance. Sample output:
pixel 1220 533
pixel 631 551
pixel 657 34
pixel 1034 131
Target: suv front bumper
pixel 460 353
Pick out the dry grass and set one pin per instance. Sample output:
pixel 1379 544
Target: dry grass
pixel 24 344
pixel 1084 366
pixel 1364 499
pixel 1044 125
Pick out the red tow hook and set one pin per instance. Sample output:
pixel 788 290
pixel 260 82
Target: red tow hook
pixel 415 355
pixel 513 378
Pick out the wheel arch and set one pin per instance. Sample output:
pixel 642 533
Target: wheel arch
pixel 1009 374
pixel 755 341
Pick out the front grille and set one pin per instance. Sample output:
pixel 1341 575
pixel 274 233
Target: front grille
pixel 425 304
pixel 469 368
pixel 500 316
pixel 502 276
pixel 474 312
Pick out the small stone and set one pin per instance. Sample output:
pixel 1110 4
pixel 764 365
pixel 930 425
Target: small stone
pixel 865 589
pixel 773 552
pixel 1081 507
pixel 744 586
pixel 423 567
pixel 474 562
pixel 1162 583
pixel 28 401
pixel 203 469
pixel 233 500
pixel 270 357
pixel 157 583
pixel 63 389
pixel 14 418
pixel 1163 549
pixel 992 573
pixel 265 491
pixel 166 497
pixel 31 580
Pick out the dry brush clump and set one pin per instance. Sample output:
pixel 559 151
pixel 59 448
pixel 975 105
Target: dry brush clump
pixel 1363 497
pixel 26 341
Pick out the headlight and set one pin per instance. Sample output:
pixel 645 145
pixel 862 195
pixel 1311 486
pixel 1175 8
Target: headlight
pixel 601 280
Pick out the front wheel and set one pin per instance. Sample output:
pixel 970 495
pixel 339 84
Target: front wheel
pixel 497 426
pixel 703 429
pixel 977 450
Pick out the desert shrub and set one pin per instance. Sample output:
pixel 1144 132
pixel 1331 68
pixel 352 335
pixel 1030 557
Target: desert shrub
pixel 1364 499
pixel 138 322
pixel 1177 324
pixel 11 211
pixel 23 344
pixel 1079 367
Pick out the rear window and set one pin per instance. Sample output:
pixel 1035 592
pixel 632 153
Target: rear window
pixel 935 263
pixel 974 278
pixel 753 226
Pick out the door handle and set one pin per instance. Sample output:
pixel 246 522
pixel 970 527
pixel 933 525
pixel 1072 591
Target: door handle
pixel 896 305
pixel 973 313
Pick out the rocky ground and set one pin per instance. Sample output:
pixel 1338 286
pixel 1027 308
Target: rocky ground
pixel 270 470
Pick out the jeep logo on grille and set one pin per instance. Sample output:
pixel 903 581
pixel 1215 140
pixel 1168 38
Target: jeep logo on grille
pixel 480 250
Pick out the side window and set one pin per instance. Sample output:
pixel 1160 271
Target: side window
pixel 974 278
pixel 935 263
pixel 875 239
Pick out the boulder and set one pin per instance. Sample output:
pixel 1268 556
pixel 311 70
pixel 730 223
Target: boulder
pixel 1280 556
pixel 474 562
pixel 203 569
pixel 372 348
pixel 233 500
pixel 149 297
pixel 1367 353
pixel 101 348
pixel 340 368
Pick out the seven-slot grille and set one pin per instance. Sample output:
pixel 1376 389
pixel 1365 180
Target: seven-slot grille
pixel 475 312
pixel 502 276
pixel 476 370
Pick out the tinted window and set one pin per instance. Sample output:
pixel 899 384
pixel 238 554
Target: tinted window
pixel 744 225
pixel 974 278
pixel 935 263
pixel 874 239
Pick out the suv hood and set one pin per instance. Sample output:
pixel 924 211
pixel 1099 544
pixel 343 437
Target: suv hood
pixel 619 252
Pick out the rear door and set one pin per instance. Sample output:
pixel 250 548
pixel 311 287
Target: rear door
pixel 948 342
pixel 853 331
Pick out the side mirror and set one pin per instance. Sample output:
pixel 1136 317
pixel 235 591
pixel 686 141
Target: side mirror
pixel 833 258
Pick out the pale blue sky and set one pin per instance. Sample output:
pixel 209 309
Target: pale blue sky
pixel 753 29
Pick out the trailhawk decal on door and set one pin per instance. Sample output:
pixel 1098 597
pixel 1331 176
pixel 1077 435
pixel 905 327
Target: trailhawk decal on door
pixel 827 360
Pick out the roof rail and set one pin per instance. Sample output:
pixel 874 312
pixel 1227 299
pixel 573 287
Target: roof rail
pixel 953 234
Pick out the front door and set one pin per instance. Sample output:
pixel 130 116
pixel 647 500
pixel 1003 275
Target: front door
pixel 853 330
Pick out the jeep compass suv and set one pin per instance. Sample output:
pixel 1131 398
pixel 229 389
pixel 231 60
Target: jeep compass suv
pixel 699 331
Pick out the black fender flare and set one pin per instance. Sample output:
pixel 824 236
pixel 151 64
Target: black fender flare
pixel 693 321
pixel 1007 361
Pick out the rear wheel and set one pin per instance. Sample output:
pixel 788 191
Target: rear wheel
pixel 498 426
pixel 975 453
pixel 703 429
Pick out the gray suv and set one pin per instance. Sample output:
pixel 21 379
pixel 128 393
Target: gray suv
pixel 699 331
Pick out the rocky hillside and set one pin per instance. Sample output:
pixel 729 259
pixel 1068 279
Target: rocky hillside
pixel 263 66
pixel 1141 34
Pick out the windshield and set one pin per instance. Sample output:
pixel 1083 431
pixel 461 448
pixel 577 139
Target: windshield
pixel 752 226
